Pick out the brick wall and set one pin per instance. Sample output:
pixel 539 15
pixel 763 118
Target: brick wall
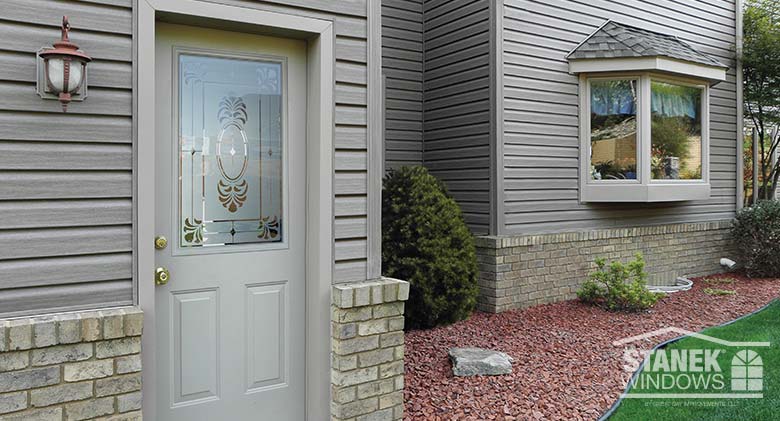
pixel 73 366
pixel 367 371
pixel 521 271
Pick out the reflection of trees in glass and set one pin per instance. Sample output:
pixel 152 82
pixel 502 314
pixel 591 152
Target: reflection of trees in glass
pixel 613 129
pixel 676 123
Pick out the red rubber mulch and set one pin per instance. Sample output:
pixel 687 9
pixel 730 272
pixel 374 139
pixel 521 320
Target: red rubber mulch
pixel 565 366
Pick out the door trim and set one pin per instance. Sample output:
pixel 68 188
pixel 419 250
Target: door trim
pixel 319 177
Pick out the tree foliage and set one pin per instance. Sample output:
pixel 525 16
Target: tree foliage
pixel 426 242
pixel 756 235
pixel 761 66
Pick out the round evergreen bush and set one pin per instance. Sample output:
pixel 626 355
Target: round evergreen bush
pixel 756 235
pixel 426 242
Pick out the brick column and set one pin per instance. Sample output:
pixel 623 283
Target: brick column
pixel 367 371
pixel 75 366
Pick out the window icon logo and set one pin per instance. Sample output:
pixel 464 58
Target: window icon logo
pixel 747 372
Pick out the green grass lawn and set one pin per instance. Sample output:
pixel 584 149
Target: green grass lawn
pixel 763 326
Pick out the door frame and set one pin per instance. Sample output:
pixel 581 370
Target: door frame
pixel 320 38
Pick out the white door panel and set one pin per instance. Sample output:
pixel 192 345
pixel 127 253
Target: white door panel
pixel 230 199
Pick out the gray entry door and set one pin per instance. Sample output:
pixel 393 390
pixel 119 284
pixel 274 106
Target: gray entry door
pixel 230 200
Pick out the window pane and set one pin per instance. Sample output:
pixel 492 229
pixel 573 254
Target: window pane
pixel 613 106
pixel 676 132
pixel 230 184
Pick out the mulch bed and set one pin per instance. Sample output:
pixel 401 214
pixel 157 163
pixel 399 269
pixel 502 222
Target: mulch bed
pixel 566 366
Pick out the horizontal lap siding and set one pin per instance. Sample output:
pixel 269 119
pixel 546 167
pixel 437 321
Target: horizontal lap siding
pixel 456 89
pixel 65 179
pixel 402 66
pixel 541 144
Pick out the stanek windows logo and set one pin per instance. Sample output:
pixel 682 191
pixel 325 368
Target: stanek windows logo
pixel 715 368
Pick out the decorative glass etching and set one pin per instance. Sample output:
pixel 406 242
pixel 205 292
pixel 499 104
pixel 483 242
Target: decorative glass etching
pixel 230 151
pixel 613 129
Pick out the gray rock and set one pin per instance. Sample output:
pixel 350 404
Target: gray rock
pixel 479 362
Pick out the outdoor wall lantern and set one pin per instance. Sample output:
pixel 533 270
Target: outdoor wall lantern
pixel 62 70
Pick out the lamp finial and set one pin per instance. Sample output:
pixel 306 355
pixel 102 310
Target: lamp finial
pixel 65 29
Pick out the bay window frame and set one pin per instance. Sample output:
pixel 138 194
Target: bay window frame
pixel 644 189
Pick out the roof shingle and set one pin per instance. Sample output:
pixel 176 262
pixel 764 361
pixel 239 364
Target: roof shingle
pixel 616 40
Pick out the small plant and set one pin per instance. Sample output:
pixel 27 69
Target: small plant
pixel 719 281
pixel 756 235
pixel 425 241
pixel 719 292
pixel 619 287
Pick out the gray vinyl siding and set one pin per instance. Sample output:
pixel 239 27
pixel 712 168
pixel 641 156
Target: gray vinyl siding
pixel 456 91
pixel 402 66
pixel 65 179
pixel 66 182
pixel 541 144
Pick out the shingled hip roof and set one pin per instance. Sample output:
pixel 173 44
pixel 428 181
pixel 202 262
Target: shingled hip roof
pixel 616 40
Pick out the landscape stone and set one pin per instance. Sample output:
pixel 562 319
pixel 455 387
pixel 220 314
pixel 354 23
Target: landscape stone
pixel 479 362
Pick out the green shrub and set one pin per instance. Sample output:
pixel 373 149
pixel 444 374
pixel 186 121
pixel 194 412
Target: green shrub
pixel 425 241
pixel 719 292
pixel 756 235
pixel 619 287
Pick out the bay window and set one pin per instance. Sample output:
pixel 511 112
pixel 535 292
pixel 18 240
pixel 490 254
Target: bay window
pixel 644 138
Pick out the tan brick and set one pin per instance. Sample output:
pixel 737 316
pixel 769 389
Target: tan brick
pixel 45 414
pixel 88 370
pixel 89 409
pixel 19 334
pixel 66 392
pixel 372 327
pixel 375 388
pixel 10 361
pixel 12 402
pixel 359 344
pixel 117 347
pixel 113 323
pixel 118 384
pixel 375 357
pixel 91 326
pixel 128 364
pixel 61 354
pixel 353 377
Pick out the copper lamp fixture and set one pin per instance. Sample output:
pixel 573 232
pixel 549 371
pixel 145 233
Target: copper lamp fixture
pixel 64 70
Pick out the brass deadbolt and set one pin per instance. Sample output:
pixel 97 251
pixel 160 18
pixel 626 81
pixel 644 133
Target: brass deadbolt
pixel 161 276
pixel 160 242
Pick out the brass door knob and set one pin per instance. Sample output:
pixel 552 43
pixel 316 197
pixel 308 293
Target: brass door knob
pixel 160 242
pixel 161 276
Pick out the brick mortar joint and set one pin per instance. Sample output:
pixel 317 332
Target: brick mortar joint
pixel 520 240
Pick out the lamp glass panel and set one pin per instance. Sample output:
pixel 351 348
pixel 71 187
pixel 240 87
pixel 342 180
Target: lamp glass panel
pixel 56 74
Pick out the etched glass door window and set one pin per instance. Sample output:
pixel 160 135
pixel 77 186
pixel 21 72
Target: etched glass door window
pixel 230 150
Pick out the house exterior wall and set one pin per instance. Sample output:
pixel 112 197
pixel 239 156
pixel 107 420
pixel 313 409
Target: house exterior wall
pixel 456 95
pixel 540 103
pixel 436 62
pixel 547 240
pixel 527 270
pixel 66 231
pixel 402 67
